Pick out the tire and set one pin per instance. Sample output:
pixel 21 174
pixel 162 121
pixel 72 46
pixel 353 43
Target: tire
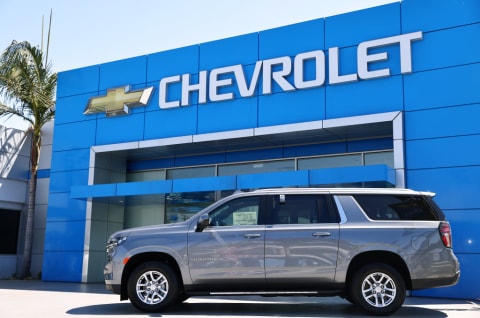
pixel 152 287
pixel 378 288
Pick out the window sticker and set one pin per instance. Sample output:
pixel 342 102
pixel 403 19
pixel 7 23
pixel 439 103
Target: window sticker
pixel 245 218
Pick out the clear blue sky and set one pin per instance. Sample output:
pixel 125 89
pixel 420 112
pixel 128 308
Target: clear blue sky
pixel 89 32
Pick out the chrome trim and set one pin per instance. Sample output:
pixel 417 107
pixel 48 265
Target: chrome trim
pixel 266 293
pixel 341 211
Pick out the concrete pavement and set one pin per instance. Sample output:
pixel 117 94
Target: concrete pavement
pixel 51 300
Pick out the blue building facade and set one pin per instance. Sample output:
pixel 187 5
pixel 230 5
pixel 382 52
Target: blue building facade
pixel 384 97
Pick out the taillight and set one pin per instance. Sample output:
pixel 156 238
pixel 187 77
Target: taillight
pixel 445 234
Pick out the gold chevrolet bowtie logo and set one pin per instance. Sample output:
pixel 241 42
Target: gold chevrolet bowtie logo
pixel 118 101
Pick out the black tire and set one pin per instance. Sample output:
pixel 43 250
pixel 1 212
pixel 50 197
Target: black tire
pixel 152 287
pixel 378 288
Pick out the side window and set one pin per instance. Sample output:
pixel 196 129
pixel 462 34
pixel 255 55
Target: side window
pixel 300 209
pixel 237 212
pixel 396 207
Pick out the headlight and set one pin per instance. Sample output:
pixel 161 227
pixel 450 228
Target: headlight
pixel 112 244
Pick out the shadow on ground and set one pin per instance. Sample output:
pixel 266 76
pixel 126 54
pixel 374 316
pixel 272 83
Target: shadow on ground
pixel 338 308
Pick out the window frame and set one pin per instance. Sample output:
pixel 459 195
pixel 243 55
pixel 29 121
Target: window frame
pixel 433 214
pixel 260 215
pixel 332 216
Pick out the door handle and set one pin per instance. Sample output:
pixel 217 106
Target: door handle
pixel 252 236
pixel 321 234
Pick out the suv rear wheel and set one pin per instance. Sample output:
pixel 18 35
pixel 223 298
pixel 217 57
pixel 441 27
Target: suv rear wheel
pixel 152 287
pixel 378 288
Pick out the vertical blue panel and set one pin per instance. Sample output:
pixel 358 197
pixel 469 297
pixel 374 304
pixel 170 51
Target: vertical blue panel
pixel 444 48
pixel 70 109
pixel 93 191
pixel 292 39
pixel 443 152
pixel 56 233
pixel 442 122
pixel 428 15
pixel 465 225
pixel 172 62
pixel 124 72
pixel 364 97
pixel 443 87
pixel 79 81
pixel 230 115
pixel 63 181
pixel 74 135
pixel 236 50
pixel 456 187
pixel 120 129
pixel 355 27
pixel 70 160
pixel 62 266
pixel 58 203
pixel 292 107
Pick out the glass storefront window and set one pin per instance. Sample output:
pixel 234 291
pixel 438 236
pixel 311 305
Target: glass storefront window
pixel 141 176
pixel 377 158
pixel 144 210
pixel 330 162
pixel 178 207
pixel 181 206
pixel 196 172
pixel 256 167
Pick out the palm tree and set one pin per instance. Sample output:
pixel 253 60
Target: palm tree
pixel 28 85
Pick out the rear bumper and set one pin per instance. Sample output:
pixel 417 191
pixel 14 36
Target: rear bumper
pixel 436 282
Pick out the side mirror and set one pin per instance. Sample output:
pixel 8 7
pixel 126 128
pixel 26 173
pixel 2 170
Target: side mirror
pixel 202 223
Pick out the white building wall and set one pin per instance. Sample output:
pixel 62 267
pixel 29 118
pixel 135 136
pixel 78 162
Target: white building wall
pixel 14 172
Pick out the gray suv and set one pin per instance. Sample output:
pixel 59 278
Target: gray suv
pixel 366 245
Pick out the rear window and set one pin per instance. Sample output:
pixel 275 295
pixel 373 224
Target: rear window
pixel 397 207
pixel 302 209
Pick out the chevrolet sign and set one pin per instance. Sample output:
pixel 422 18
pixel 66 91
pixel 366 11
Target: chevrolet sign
pixel 219 84
pixel 277 69
pixel 118 101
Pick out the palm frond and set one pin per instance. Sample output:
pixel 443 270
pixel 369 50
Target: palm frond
pixel 28 83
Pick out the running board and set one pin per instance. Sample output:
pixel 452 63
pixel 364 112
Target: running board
pixel 265 293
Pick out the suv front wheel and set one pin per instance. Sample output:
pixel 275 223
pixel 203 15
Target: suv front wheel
pixel 152 287
pixel 378 288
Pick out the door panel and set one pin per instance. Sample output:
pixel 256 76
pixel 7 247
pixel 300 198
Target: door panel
pixel 229 253
pixel 301 255
pixel 301 242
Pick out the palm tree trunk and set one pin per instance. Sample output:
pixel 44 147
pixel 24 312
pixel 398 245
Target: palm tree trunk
pixel 32 187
